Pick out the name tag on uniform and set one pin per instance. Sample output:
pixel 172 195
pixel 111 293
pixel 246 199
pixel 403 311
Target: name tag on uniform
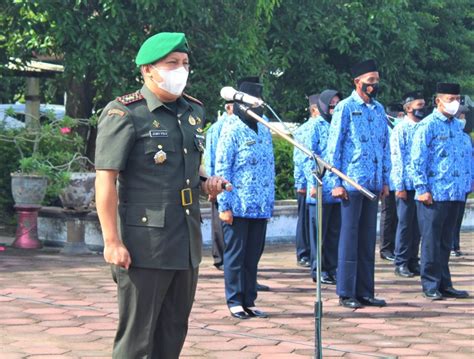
pixel 158 133
pixel 356 113
pixel 201 137
pixel 250 143
pixel 443 138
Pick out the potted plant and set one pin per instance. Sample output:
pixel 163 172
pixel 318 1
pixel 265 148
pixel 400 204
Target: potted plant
pixel 49 154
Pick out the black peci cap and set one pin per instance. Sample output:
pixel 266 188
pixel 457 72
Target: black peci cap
pixel 448 88
pixel 412 96
pixel 363 68
pixel 250 85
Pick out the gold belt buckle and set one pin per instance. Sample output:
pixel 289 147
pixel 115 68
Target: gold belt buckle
pixel 186 197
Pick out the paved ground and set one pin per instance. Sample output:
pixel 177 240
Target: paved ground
pixel 54 306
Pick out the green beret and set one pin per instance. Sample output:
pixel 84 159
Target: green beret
pixel 160 45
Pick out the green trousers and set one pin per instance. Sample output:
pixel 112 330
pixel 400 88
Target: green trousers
pixel 154 307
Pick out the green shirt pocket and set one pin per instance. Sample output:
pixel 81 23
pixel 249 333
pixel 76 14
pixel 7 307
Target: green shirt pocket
pixel 145 216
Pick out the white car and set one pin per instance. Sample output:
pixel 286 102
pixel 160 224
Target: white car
pixel 18 121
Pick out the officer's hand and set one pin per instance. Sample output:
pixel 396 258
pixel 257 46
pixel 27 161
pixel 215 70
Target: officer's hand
pixel 211 198
pixel 385 191
pixel 117 254
pixel 312 192
pixel 215 185
pixel 301 190
pixel 426 198
pixel 226 217
pixel 340 192
pixel 401 195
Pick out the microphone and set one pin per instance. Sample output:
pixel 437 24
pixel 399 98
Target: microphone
pixel 230 94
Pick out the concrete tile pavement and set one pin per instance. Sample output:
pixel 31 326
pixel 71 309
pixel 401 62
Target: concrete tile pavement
pixel 54 306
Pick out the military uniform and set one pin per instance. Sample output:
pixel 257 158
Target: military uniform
pixel 157 150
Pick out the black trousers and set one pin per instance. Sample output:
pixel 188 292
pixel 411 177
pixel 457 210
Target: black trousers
pixel 244 241
pixel 154 307
pixel 388 224
pixel 437 223
pixel 217 236
pixel 302 228
pixel 331 218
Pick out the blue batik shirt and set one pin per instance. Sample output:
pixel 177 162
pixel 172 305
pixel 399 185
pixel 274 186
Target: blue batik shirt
pixel 441 165
pixel 401 140
pixel 246 159
pixel 299 156
pixel 212 136
pixel 469 156
pixel 358 143
pixel 315 138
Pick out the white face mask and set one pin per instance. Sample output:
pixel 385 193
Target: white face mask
pixel 173 81
pixel 451 108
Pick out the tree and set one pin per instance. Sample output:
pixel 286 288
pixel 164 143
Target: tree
pixel 312 45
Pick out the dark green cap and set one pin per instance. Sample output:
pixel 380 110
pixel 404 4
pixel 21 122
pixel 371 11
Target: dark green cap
pixel 160 45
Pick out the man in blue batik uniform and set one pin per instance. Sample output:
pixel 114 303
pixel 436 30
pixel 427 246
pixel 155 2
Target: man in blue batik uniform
pixel 212 136
pixel 303 249
pixel 358 145
pixel 441 172
pixel 315 138
pixel 245 154
pixel 407 241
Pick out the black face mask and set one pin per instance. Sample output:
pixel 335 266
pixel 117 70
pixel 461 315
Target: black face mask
pixel 370 90
pixel 419 113
pixel 248 120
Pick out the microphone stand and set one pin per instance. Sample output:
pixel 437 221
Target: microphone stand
pixel 318 173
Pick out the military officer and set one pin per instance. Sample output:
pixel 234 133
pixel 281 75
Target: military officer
pixel 212 136
pixel 148 155
pixel 315 138
pixel 407 241
pixel 245 156
pixel 358 145
pixel 442 170
pixel 303 249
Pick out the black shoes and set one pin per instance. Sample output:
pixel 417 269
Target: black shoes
pixel 262 288
pixel 304 262
pixel 454 293
pixel 328 278
pixel 403 271
pixel 240 315
pixel 372 301
pixel 389 256
pixel 456 253
pixel 415 269
pixel 219 266
pixel 348 302
pixel 248 313
pixel 432 294
pixel 255 313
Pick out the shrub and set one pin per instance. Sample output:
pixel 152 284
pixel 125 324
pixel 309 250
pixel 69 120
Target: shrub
pixel 284 181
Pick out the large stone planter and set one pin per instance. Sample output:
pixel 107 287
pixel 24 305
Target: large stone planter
pixel 80 192
pixel 28 192
pixel 28 189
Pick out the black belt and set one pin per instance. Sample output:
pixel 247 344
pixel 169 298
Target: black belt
pixel 185 197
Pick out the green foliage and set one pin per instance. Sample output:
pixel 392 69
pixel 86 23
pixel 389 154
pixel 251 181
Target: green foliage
pixel 53 150
pixel 284 181
pixel 9 158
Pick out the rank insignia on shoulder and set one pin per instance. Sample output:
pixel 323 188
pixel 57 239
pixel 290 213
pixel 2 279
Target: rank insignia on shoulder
pixel 156 124
pixel 130 98
pixel 160 157
pixel 187 97
pixel 192 120
pixel 115 111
